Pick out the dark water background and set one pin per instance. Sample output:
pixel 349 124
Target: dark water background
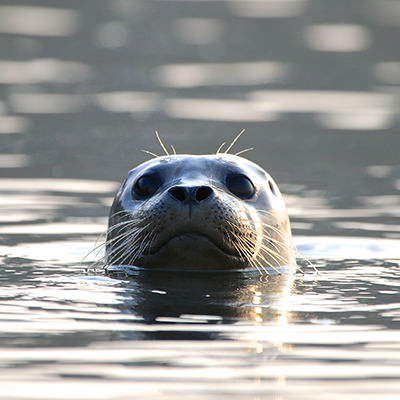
pixel 83 87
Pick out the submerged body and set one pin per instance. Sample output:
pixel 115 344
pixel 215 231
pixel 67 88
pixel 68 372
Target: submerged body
pixel 208 212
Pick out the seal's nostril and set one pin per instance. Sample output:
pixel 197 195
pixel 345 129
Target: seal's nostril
pixel 179 193
pixel 202 193
pixel 190 194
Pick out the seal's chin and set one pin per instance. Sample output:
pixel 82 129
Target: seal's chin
pixel 190 251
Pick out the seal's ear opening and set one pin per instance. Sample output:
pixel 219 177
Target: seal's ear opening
pixel 272 187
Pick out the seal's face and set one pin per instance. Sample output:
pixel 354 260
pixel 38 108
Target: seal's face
pixel 200 213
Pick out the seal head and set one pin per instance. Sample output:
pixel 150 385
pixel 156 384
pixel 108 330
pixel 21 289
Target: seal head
pixel 207 212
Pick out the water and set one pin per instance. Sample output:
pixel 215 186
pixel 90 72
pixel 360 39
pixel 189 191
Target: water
pixel 83 86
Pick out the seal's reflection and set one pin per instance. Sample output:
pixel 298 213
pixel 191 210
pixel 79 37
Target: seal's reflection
pixel 180 298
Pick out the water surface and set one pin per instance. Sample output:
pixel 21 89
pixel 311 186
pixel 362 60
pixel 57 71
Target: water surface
pixel 83 87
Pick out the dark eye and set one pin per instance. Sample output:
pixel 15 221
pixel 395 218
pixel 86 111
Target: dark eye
pixel 240 185
pixel 146 185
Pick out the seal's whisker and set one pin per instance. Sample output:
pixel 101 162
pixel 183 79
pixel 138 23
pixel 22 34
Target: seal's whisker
pixel 104 244
pixel 147 242
pixel 234 141
pixel 260 268
pixel 150 152
pixel 173 149
pixel 128 254
pixel 269 264
pixel 274 255
pixel 133 222
pixel 235 241
pixel 264 225
pixel 298 268
pixel 305 258
pixel 287 246
pixel 121 252
pixel 278 258
pixel 248 242
pixel 275 242
pixel 243 249
pixel 162 144
pixel 220 147
pixel 244 151
pixel 255 261
pixel 119 225
pixel 232 203
pixel 122 235
pixel 265 212
pixel 130 242
pixel 239 247
pixel 132 235
pixel 249 239
pixel 101 259
pixel 96 249
pixel 119 213
pixel 273 228
pixel 128 216
pixel 254 265
pixel 116 241
pixel 263 259
pixel 127 228
pixel 120 241
pixel 140 248
pixel 252 261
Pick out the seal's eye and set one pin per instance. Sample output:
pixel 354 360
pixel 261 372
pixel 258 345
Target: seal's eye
pixel 240 186
pixel 146 185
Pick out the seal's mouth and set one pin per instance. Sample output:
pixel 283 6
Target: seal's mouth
pixel 192 251
pixel 190 240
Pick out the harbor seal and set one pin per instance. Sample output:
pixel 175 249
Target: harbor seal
pixel 199 212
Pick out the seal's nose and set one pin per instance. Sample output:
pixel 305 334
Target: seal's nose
pixel 186 194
